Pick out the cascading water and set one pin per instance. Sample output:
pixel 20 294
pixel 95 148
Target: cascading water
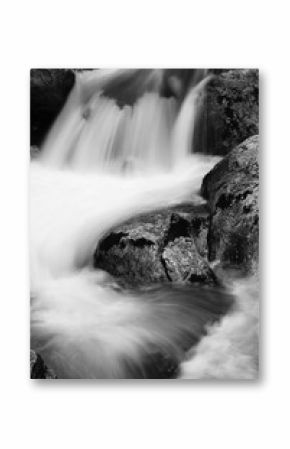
pixel 102 162
pixel 94 133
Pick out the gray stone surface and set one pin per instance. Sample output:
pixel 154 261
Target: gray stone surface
pixel 229 111
pixel 232 189
pixel 161 247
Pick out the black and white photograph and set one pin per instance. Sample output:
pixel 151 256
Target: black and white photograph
pixel 144 223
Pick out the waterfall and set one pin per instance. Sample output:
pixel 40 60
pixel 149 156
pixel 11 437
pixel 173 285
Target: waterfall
pixel 94 133
pixel 118 148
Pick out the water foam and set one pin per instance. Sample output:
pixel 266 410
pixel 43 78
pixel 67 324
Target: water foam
pixel 100 164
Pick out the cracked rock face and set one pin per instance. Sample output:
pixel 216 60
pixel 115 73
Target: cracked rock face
pixel 232 189
pixel 167 246
pixel 183 262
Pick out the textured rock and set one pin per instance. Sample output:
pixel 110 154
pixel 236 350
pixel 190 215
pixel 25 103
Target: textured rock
pixel 161 247
pixel 232 189
pixel 49 89
pixel 229 113
pixel 183 262
pixel 38 369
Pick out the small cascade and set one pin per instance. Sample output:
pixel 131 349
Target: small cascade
pixel 116 128
pixel 153 133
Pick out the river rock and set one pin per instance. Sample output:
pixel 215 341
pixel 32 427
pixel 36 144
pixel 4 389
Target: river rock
pixel 38 369
pixel 229 111
pixel 49 89
pixel 161 247
pixel 232 189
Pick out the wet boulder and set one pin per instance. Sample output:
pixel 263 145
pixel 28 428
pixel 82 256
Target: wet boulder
pixel 166 246
pixel 232 189
pixel 229 111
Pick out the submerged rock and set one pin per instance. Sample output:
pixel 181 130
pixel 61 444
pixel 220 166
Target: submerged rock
pixel 38 369
pixel 229 113
pixel 161 247
pixel 232 189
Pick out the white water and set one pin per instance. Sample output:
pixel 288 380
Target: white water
pixel 99 165
pixel 94 133
pixel 230 351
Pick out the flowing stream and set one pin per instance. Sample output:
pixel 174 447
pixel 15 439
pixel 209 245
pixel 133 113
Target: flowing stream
pixel 103 161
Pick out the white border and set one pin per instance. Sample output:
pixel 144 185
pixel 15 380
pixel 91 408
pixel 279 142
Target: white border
pixel 144 34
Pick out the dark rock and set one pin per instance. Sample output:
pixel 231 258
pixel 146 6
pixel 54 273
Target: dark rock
pixel 161 366
pixel 155 365
pixel 49 89
pixel 232 189
pixel 182 261
pixel 38 369
pixel 162 247
pixel 229 111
